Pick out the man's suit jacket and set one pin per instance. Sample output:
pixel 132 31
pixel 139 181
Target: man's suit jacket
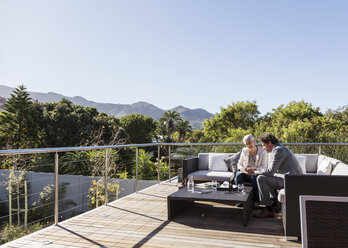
pixel 283 161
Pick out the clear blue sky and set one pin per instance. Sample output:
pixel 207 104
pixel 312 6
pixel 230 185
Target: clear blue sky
pixel 196 53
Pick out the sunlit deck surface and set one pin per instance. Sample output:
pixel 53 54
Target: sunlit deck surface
pixel 140 220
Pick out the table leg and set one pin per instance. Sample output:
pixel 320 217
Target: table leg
pixel 176 206
pixel 247 208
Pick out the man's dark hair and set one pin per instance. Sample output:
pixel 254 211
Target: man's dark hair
pixel 267 137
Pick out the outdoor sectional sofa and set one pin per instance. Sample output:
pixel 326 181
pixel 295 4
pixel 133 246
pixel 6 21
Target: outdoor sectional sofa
pixel 323 175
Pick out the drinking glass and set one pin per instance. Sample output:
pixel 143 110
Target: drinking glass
pixel 214 185
pixel 241 188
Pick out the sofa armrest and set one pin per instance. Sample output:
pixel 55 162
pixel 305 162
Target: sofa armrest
pixel 296 185
pixel 189 165
pixel 318 215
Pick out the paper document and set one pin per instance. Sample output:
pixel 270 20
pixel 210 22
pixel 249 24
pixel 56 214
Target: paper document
pixel 203 191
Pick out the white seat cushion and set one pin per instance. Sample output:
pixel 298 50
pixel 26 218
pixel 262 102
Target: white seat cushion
pixel 205 175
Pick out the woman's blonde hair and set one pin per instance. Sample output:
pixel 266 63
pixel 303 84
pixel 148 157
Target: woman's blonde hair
pixel 248 137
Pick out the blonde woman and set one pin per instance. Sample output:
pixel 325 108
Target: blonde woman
pixel 253 158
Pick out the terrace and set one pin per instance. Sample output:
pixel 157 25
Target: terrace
pixel 140 219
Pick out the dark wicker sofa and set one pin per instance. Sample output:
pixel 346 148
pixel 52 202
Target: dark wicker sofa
pixel 335 183
pixel 324 185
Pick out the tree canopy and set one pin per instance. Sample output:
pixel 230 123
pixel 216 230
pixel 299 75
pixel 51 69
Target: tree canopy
pixel 237 115
pixel 28 124
pixel 25 123
pixel 139 129
pixel 18 121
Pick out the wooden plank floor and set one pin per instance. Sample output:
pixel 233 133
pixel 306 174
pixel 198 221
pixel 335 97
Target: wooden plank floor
pixel 141 221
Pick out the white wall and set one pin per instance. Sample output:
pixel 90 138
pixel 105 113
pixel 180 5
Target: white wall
pixel 77 190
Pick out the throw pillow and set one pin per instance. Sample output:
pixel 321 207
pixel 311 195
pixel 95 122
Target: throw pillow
pixel 232 161
pixel 324 167
pixel 302 162
pixel 340 169
pixel 203 161
pixel 216 162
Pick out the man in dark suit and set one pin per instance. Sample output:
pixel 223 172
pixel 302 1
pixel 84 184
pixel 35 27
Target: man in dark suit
pixel 282 161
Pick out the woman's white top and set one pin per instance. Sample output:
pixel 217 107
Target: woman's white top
pixel 260 162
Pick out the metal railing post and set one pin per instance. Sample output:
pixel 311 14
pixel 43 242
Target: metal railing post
pixel 214 149
pixel 106 177
pixel 25 203
pixel 18 204
pixel 10 202
pixel 158 163
pixel 169 167
pixel 56 189
pixel 136 169
pixel 319 150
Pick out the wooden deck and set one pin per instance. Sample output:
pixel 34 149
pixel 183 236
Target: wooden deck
pixel 140 220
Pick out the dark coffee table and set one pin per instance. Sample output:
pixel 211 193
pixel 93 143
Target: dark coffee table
pixel 182 199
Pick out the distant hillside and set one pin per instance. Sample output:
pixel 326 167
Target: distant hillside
pixel 2 102
pixel 194 116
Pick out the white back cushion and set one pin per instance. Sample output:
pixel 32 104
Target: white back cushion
pixel 333 161
pixel 325 167
pixel 216 161
pixel 340 169
pixel 302 162
pixel 311 162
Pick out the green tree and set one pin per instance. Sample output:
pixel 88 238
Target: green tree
pixel 161 130
pixel 65 124
pixel 317 130
pixel 44 206
pixel 146 168
pixel 236 135
pixel 90 163
pixel 11 232
pixel 341 114
pixel 61 124
pixel 139 129
pixel 294 111
pixel 18 121
pixel 163 169
pixel 277 121
pixel 238 115
pixel 96 192
pixel 183 127
pixel 197 136
pixel 169 120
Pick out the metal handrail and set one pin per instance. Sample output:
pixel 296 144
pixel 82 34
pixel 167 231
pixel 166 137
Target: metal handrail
pixel 86 148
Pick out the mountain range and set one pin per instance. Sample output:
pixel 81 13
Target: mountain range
pixel 194 116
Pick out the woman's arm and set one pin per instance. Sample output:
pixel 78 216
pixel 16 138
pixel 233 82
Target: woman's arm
pixel 241 162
